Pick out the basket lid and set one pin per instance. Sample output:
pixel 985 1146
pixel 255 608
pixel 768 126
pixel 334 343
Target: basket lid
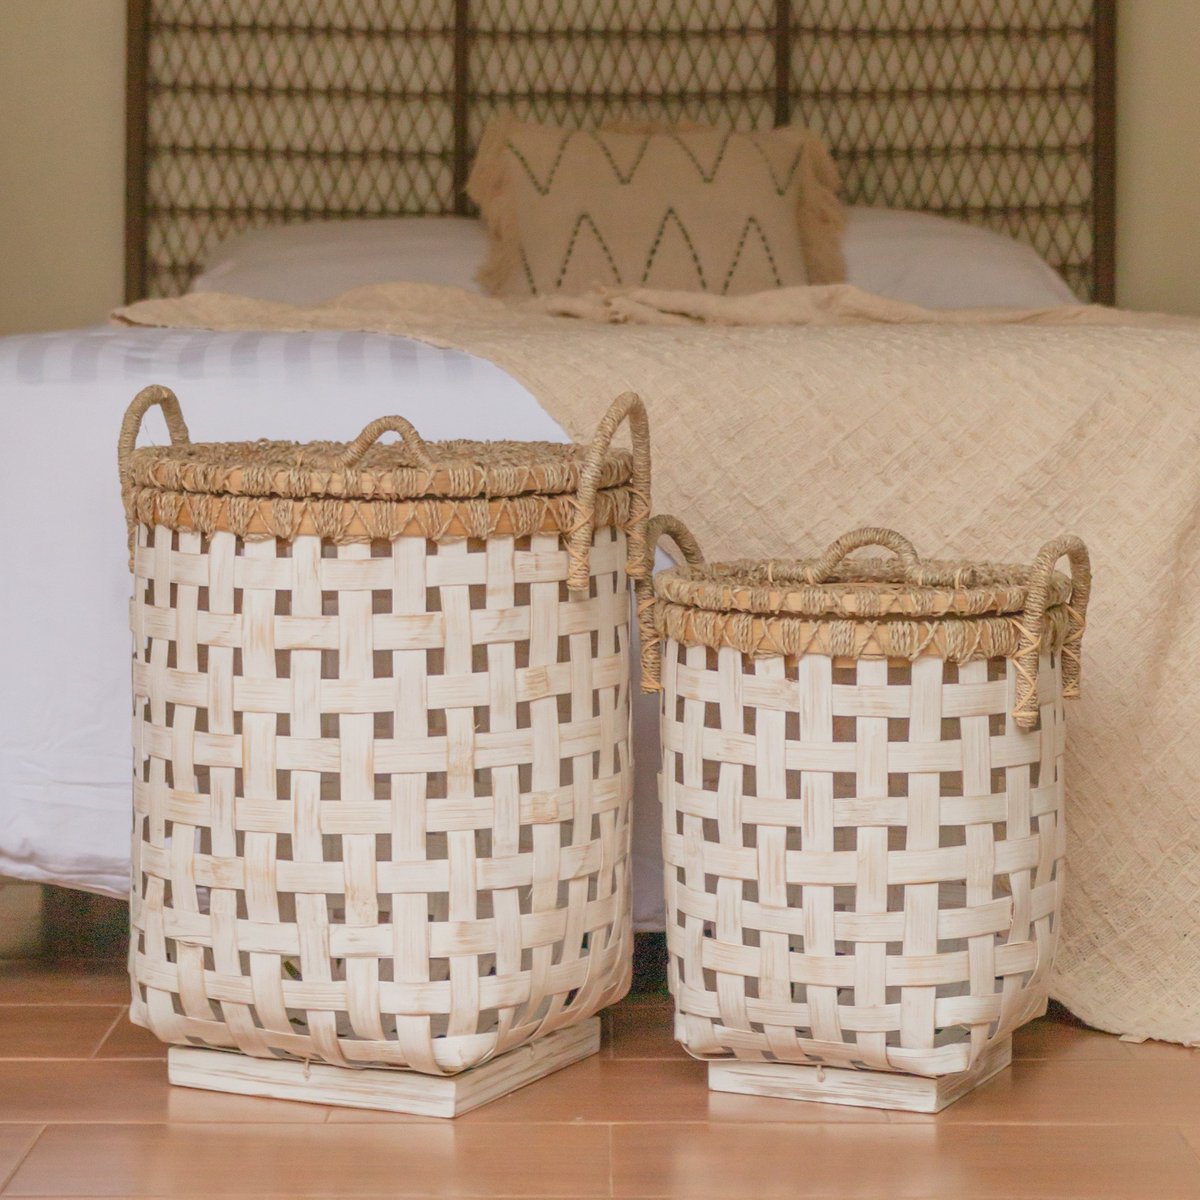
pixel 872 608
pixel 368 470
pixel 856 589
pixel 361 491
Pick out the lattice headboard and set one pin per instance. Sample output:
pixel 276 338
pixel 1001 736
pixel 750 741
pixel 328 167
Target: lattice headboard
pixel 252 112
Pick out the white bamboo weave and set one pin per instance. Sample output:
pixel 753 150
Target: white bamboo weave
pixel 863 856
pixel 381 793
pixel 863 861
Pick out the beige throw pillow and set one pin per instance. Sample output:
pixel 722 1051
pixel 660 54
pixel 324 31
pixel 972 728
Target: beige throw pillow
pixel 694 209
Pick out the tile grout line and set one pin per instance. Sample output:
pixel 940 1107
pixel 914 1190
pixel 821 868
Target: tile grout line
pixel 108 1033
pixel 58 1003
pixel 1191 1147
pixel 5 1180
pixel 612 1171
pixel 122 1005
pixel 78 1058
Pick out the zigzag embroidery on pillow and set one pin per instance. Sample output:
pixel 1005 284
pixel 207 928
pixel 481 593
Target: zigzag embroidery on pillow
pixel 584 219
pixel 781 186
pixel 629 175
pixel 751 223
pixel 585 225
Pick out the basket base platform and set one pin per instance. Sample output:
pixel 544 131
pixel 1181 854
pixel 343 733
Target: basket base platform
pixel 863 1089
pixel 392 1091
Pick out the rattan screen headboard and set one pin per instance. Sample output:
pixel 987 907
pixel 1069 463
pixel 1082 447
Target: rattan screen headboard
pixel 247 112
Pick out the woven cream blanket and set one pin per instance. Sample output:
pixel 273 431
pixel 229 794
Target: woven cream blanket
pixel 783 420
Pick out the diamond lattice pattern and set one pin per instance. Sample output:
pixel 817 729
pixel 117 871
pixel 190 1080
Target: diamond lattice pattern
pixel 976 109
pixel 264 111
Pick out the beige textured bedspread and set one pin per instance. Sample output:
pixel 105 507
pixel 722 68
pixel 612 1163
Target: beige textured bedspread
pixel 783 420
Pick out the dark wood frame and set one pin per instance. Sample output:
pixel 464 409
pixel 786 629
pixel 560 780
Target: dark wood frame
pixel 1104 151
pixel 785 94
pixel 137 70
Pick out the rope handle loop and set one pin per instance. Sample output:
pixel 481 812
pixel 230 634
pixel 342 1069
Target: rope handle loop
pixel 352 455
pixel 821 570
pixel 1033 621
pixel 627 406
pixel 651 643
pixel 131 424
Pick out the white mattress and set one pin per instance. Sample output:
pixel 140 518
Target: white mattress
pixel 64 586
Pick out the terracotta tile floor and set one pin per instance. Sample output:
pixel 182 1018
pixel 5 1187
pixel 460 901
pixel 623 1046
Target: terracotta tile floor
pixel 85 1110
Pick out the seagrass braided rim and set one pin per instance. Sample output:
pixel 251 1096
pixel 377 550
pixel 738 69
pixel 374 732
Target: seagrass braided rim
pixel 862 588
pixel 862 608
pixel 357 520
pixel 956 639
pixel 362 491
pixel 296 470
pixel 901 607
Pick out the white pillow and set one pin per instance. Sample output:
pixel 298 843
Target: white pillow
pixel 940 263
pixel 906 255
pixel 314 261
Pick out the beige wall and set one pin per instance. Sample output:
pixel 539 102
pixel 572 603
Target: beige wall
pixel 61 151
pixel 1158 154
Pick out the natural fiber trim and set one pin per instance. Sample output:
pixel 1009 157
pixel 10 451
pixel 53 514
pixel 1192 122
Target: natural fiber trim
pixel 955 639
pixel 626 407
pixel 155 395
pixel 485 186
pixel 456 469
pixel 933 589
pixel 340 521
pixel 1037 611
pixel 645 587
pixel 820 215
pixel 899 608
pixel 360 491
pixel 363 469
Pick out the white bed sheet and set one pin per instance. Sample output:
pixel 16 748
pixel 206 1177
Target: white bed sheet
pixel 912 256
pixel 65 756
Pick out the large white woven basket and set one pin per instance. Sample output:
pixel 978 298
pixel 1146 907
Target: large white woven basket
pixel 382 764
pixel 862 794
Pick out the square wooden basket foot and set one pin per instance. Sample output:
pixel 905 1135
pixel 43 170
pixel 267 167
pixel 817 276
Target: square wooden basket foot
pixel 373 1087
pixel 863 1089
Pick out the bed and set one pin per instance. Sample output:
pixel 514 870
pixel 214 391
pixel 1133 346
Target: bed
pixel 324 146
pixel 64 769
pixel 64 772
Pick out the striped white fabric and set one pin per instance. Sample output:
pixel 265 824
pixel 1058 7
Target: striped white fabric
pixel 64 583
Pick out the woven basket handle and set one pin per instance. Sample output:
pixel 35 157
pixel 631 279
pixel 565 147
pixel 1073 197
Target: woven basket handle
pixel 579 542
pixel 1033 622
pixel 131 425
pixel 352 455
pixel 856 539
pixel 651 643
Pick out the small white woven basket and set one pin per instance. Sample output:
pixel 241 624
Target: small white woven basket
pixel 382 764
pixel 862 793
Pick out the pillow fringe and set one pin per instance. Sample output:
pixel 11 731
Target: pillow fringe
pixel 486 187
pixel 820 214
